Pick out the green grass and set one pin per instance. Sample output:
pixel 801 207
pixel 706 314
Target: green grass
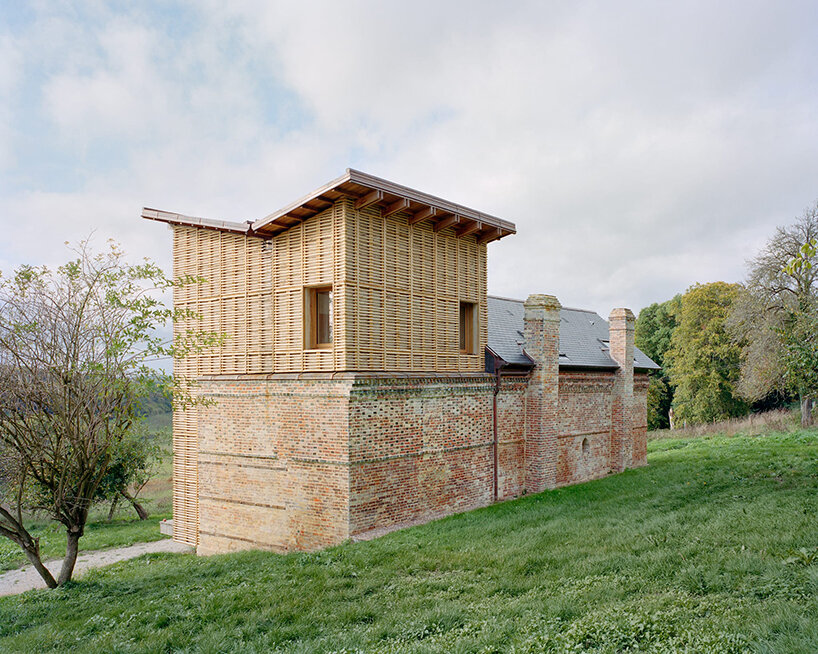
pixel 688 555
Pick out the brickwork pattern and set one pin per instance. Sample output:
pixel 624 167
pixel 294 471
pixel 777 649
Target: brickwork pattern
pixel 273 463
pixel 542 337
pixel 420 447
pixel 621 328
pixel 511 435
pixel 585 401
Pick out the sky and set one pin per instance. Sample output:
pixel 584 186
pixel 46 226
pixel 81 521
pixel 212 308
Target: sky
pixel 639 147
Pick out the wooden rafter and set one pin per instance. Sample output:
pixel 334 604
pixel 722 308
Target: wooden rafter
pixel 398 205
pixel 370 198
pixel 469 228
pixel 491 235
pixel 454 219
pixel 424 214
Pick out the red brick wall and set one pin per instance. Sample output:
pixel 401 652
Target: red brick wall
pixel 273 463
pixel 511 434
pixel 302 462
pixel 542 338
pixel 585 402
pixel 639 420
pixel 420 447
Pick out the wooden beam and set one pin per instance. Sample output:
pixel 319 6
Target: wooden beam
pixel 423 214
pixel 493 234
pixel 470 228
pixel 447 222
pixel 398 205
pixel 370 198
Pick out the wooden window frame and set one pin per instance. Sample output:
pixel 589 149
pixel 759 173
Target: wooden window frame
pixel 311 317
pixel 470 324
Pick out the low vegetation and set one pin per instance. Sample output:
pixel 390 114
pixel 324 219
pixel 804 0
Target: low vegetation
pixel 711 548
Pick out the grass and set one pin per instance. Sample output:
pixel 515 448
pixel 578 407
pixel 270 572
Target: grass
pixel 695 553
pixel 124 529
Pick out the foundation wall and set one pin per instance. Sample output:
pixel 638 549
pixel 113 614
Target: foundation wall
pixel 288 463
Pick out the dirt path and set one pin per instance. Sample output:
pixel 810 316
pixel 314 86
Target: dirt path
pixel 19 581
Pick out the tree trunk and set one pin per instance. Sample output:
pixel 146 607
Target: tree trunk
pixel 114 502
pixel 33 556
pixel 72 548
pixel 12 528
pixel 140 510
pixel 806 411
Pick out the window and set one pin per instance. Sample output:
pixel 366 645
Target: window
pixel 467 328
pixel 318 316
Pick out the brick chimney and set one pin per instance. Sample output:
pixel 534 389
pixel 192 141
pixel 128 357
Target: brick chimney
pixel 542 344
pixel 621 324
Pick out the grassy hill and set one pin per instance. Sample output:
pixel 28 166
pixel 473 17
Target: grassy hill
pixel 699 552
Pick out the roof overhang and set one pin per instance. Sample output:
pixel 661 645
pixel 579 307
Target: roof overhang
pixel 191 221
pixel 367 190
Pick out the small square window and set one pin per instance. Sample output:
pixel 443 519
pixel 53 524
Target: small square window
pixel 318 318
pixel 467 328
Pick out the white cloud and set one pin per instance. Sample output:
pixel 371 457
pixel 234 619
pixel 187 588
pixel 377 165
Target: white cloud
pixel 639 148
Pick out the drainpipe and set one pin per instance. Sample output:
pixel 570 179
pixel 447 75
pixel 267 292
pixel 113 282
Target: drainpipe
pixel 498 367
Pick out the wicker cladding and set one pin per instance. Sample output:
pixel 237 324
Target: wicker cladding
pixel 402 294
pixel 396 294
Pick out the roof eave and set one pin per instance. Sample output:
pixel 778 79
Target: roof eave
pixel 172 218
pixel 392 197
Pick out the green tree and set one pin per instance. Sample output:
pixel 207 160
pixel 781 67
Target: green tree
pixel 655 326
pixel 654 329
pixel 773 316
pixel 76 348
pixel 703 360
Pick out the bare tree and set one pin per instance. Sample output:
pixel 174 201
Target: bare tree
pixel 763 317
pixel 76 347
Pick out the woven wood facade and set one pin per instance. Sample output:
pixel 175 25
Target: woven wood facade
pixel 397 289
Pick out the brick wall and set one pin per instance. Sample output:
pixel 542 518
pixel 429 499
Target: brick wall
pixel 420 447
pixel 511 436
pixel 273 463
pixel 585 401
pixel 299 462
pixel 639 420
pixel 542 338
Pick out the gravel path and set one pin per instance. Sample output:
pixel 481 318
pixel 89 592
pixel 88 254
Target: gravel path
pixel 19 581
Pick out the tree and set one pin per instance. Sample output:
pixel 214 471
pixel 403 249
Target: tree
pixel 76 346
pixel 654 329
pixel 655 326
pixel 773 316
pixel 129 472
pixel 703 361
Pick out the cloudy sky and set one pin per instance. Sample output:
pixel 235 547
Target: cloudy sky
pixel 640 147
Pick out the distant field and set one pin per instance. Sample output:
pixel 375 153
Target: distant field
pixel 712 548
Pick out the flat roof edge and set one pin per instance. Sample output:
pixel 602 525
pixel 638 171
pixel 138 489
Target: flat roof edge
pixel 193 221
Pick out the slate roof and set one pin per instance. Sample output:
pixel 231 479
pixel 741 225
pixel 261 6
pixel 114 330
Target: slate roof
pixel 583 337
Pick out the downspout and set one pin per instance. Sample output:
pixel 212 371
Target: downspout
pixel 498 367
